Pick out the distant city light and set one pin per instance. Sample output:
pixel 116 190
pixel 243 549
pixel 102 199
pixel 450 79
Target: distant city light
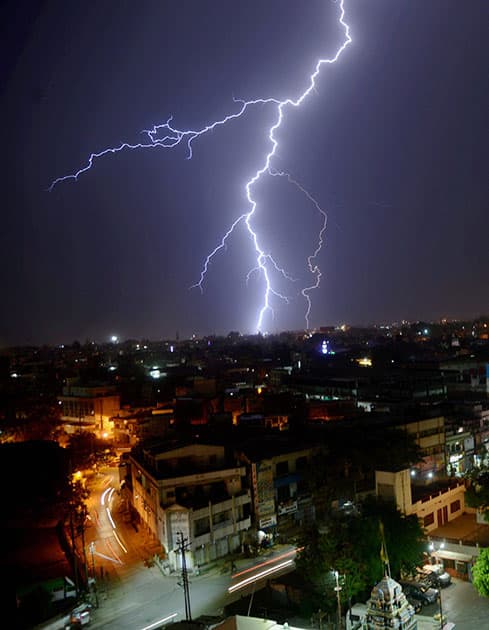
pixel 114 338
pixel 365 362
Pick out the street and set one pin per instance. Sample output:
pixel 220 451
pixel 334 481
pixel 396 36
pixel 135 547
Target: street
pixel 133 596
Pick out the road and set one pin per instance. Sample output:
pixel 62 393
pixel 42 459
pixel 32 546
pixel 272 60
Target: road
pixel 133 596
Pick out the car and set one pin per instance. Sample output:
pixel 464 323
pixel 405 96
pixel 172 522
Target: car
pixel 80 616
pixel 435 575
pixel 421 592
pixel 437 580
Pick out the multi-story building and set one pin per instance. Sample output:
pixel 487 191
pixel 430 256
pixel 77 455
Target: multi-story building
pixel 429 434
pixel 281 497
pixel 195 491
pixel 134 425
pixel 433 506
pixel 89 407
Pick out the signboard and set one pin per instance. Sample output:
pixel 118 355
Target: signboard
pixel 266 507
pixel 269 521
pixel 287 508
pixel 265 492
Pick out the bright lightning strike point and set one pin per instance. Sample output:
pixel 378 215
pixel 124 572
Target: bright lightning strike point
pixel 167 136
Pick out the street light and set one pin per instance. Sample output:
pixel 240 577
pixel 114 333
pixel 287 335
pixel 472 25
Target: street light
pixel 337 588
pixel 435 551
pixel 91 546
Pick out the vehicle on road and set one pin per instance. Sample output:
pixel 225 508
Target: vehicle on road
pixel 80 616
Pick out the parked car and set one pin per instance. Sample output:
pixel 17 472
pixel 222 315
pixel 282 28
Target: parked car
pixel 80 616
pixel 421 592
pixel 437 580
pixel 435 575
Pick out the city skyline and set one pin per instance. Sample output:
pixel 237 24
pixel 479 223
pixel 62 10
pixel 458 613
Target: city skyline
pixel 389 145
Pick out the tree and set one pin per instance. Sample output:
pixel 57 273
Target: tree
pixel 404 536
pixel 480 573
pixel 352 545
pixel 477 491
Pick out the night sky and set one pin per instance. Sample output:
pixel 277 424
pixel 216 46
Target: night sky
pixel 392 144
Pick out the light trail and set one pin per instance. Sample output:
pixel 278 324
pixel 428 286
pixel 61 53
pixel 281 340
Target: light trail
pixel 167 136
pixel 121 544
pixel 286 554
pixel 114 553
pixel 103 495
pixel 258 576
pixel 116 560
pixel 160 621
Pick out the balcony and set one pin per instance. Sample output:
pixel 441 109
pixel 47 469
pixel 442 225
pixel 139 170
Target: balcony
pixel 221 530
pixel 222 506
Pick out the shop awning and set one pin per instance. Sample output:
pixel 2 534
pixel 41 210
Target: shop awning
pixel 454 555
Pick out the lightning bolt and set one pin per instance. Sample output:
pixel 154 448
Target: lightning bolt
pixel 311 264
pixel 167 136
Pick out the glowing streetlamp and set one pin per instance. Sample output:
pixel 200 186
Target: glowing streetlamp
pixel 337 588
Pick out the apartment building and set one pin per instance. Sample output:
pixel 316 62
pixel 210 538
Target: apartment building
pixel 90 407
pixel 281 498
pixel 192 490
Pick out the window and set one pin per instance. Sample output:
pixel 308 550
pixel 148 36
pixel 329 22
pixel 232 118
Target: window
pixel 455 506
pixel 429 519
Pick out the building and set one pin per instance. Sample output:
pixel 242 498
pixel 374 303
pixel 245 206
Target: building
pixel 388 607
pixel 434 506
pixel 195 491
pixel 134 425
pixel 89 407
pixel 281 497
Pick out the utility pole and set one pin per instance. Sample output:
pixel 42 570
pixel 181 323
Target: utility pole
pixel 74 552
pixel 92 552
pixel 337 588
pixel 183 544
pixel 251 598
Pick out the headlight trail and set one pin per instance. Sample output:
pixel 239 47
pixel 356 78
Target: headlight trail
pixel 258 576
pixel 160 621
pixel 104 494
pixel 267 268
pixel 286 554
